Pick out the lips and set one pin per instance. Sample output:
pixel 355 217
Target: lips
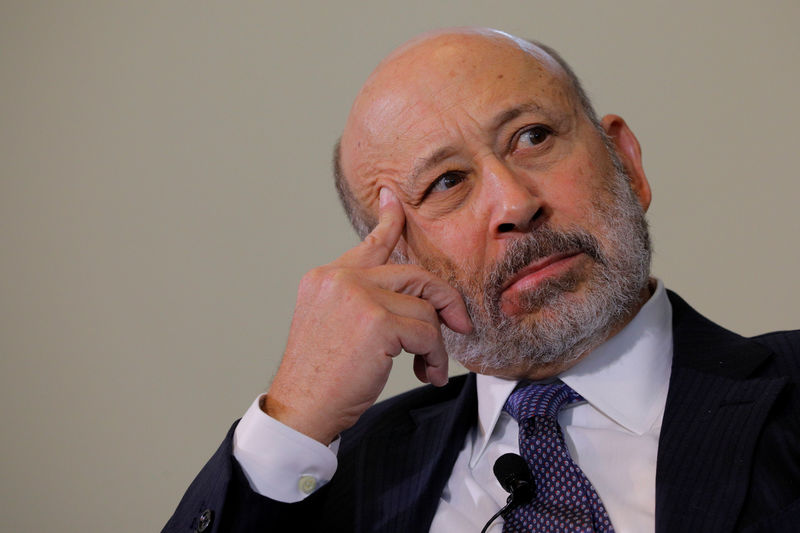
pixel 537 271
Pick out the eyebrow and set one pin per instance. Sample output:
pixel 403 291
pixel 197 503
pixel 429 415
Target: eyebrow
pixel 426 163
pixel 510 114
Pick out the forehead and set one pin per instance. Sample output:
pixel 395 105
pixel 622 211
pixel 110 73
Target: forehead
pixel 443 90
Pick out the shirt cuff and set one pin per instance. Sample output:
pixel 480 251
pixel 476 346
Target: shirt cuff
pixel 278 461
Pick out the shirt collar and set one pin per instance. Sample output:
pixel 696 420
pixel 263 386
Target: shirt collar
pixel 625 378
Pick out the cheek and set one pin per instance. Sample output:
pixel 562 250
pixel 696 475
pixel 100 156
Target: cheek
pixel 575 190
pixel 455 242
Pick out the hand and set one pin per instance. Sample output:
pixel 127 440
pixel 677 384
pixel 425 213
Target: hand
pixel 351 318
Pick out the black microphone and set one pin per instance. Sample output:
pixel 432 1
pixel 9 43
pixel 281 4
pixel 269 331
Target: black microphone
pixel 515 477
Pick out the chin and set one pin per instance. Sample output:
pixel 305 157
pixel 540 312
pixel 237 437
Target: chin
pixel 547 332
pixel 543 302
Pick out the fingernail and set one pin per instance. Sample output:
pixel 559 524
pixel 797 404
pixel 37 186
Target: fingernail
pixel 385 196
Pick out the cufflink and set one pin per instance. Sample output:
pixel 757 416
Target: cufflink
pixel 307 484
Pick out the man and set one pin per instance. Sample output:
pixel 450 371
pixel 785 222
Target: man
pixel 503 224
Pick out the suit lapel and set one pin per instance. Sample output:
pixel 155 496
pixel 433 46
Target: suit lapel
pixel 714 413
pixel 415 457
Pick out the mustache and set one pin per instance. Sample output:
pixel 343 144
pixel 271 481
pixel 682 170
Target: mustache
pixel 536 245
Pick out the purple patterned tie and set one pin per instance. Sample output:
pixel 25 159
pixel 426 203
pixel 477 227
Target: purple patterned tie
pixel 565 499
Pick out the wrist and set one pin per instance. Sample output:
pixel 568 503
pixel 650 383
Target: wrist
pixel 285 414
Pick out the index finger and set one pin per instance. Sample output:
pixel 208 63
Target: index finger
pixel 377 247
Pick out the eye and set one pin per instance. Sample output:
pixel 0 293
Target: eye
pixel 446 181
pixel 535 134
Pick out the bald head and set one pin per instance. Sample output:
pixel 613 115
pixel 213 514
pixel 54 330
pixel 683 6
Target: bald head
pixel 434 67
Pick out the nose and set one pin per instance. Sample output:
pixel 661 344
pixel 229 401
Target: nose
pixel 515 204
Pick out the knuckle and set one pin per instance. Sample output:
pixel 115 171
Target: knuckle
pixel 379 318
pixel 376 323
pixel 312 276
pixel 311 280
pixel 322 280
pixel 332 278
pixel 431 316
pixel 373 241
pixel 307 284
pixel 432 286
pixel 430 333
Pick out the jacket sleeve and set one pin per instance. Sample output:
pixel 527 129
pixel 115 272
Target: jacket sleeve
pixel 220 500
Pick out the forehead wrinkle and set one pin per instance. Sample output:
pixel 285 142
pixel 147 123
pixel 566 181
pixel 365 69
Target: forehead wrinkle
pixel 424 102
pixel 367 172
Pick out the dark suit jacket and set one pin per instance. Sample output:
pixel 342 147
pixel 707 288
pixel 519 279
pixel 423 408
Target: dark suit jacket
pixel 728 457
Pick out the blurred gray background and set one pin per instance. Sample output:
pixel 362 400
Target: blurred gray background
pixel 164 184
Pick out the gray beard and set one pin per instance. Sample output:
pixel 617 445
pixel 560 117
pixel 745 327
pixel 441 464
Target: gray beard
pixel 568 325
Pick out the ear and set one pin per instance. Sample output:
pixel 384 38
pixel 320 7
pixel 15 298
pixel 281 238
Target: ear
pixel 629 151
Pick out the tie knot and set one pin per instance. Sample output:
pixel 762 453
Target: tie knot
pixel 528 401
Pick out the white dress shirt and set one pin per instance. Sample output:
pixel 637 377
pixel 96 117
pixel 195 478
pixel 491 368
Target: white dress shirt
pixel 612 436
